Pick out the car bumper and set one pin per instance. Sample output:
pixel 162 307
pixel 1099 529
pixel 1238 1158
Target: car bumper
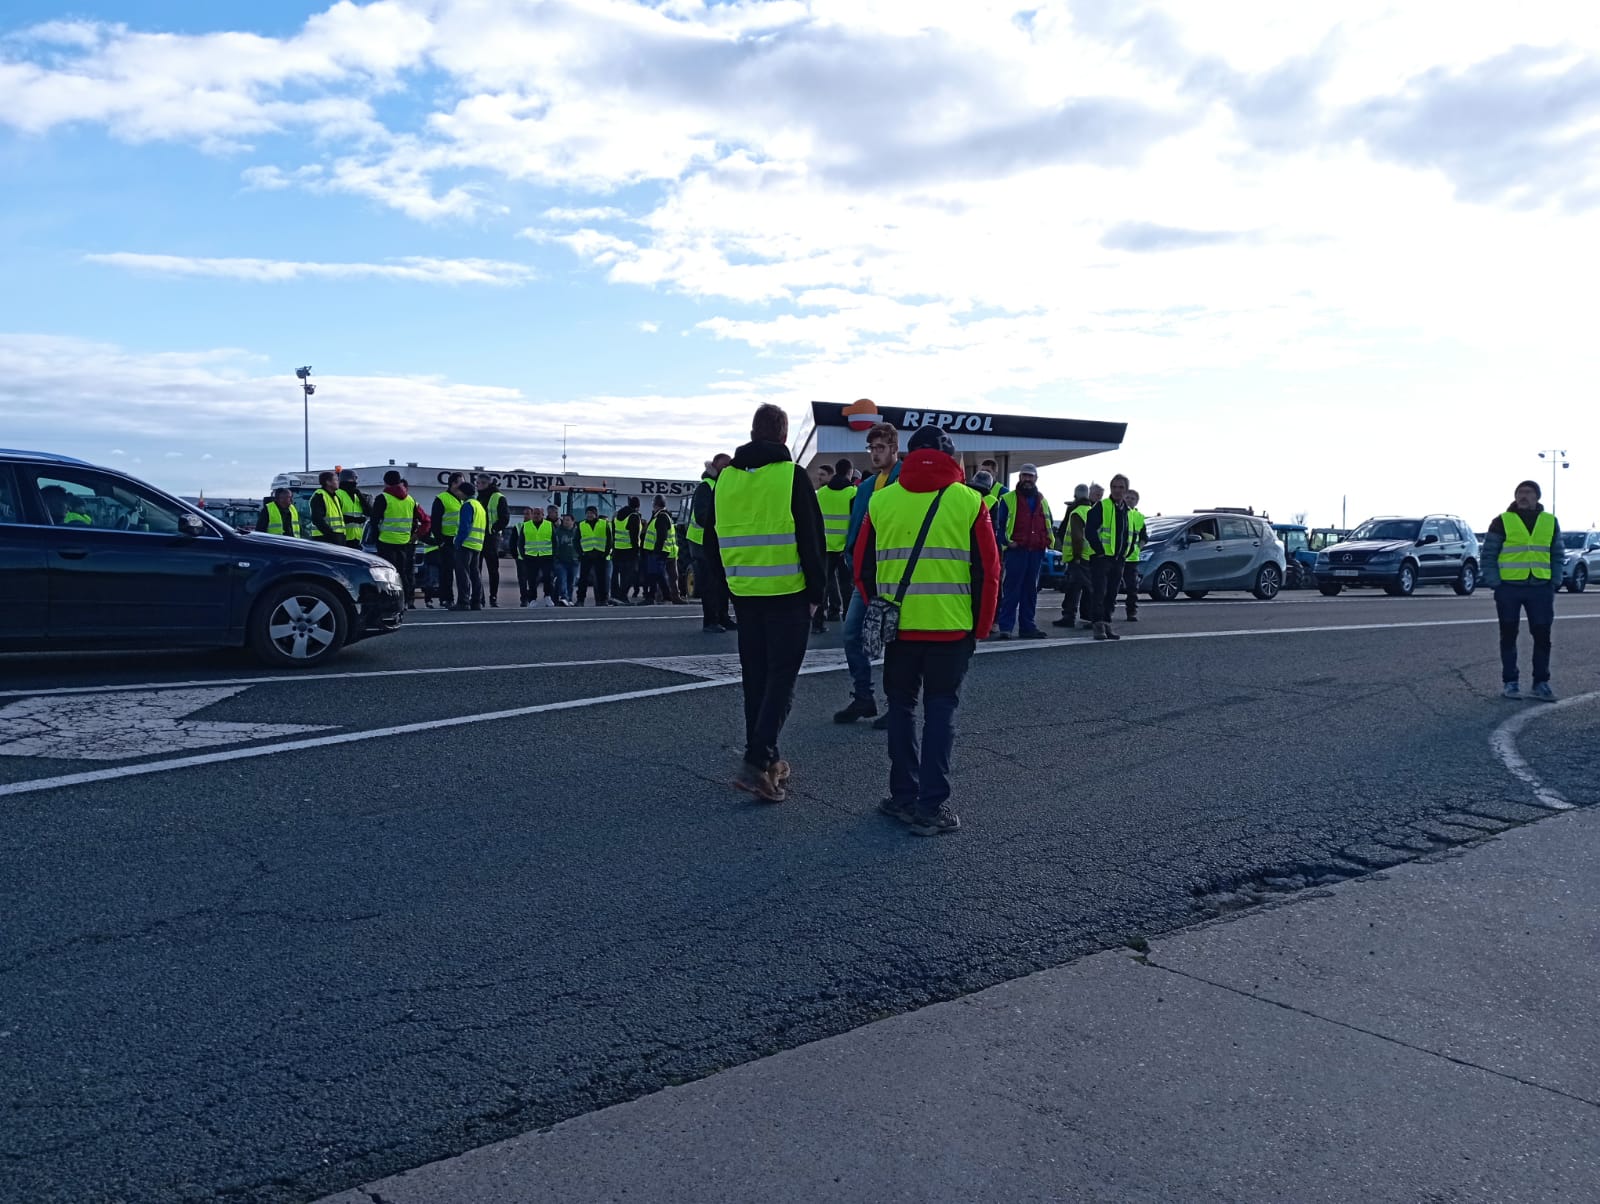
pixel 382 609
pixel 1386 575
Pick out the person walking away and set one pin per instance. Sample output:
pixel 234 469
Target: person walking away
pixel 821 475
pixel 765 538
pixel 327 514
pixel 535 543
pixel 836 499
pixel 883 457
pixel 445 518
pixel 494 505
pixel 566 559
pixel 278 516
pixel 948 605
pixel 354 505
pixel 1028 534
pixel 1105 532
pixel 1075 560
pixel 472 532
pixel 594 542
pixel 1522 562
pixel 714 617
pixel 627 542
pixel 394 515
pixel 1130 570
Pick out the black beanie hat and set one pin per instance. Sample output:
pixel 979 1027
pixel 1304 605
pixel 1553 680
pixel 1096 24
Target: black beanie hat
pixel 1533 485
pixel 932 436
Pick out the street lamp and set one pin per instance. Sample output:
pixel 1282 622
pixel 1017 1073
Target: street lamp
pixel 1558 459
pixel 307 388
pixel 564 431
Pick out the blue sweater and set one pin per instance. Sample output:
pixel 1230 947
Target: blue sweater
pixel 858 509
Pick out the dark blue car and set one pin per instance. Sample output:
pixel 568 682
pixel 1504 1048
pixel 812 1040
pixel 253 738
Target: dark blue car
pixel 93 558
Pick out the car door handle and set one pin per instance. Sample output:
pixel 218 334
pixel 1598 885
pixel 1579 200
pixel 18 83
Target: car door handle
pixel 72 553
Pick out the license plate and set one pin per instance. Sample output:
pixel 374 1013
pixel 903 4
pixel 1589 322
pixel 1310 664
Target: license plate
pixel 1346 572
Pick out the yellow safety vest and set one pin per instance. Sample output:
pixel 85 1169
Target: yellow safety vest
pixel 332 514
pixel 398 518
pixel 354 520
pixel 1135 530
pixel 1012 506
pixel 477 524
pixel 939 597
pixel 1527 553
pixel 669 546
pixel 451 519
pixel 755 531
pixel 1108 529
pixel 696 533
pixel 1081 513
pixel 836 505
pixel 275 520
pixel 592 537
pixel 621 537
pixel 538 538
pixel 77 516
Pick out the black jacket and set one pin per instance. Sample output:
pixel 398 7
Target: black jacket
pixel 700 504
pixel 809 537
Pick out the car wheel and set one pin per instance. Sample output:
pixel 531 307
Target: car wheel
pixel 1329 589
pixel 1580 580
pixel 1196 594
pixel 1468 581
pixel 297 626
pixel 1405 582
pixel 1269 580
pixel 1167 584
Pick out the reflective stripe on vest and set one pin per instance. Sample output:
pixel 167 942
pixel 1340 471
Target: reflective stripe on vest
pixel 477 520
pixel 755 530
pixel 1135 529
pixel 593 538
pixel 696 534
pixel 621 537
pixel 332 513
pixel 354 520
pixel 1527 553
pixel 452 514
pixel 835 504
pixel 275 520
pixel 939 597
pixel 538 538
pixel 398 516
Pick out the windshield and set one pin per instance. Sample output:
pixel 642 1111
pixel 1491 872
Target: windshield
pixel 1574 539
pixel 1387 528
pixel 1161 528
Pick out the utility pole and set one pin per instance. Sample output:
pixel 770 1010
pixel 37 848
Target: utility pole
pixel 307 389
pixel 1558 460
pixel 564 431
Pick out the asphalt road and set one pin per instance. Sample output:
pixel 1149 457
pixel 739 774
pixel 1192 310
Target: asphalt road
pixel 268 977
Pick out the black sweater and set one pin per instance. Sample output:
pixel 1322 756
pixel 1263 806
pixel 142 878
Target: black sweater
pixel 809 537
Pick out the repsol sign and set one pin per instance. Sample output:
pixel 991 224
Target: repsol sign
pixel 947 421
pixel 513 480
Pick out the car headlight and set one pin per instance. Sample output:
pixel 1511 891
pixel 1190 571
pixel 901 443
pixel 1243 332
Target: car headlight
pixel 1383 557
pixel 385 574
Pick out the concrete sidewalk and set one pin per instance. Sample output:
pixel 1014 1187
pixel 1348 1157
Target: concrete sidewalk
pixel 1424 1034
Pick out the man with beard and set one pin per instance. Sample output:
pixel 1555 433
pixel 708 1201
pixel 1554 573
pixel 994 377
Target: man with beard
pixel 1026 533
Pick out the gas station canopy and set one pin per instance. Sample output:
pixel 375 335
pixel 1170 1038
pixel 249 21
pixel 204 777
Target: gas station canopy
pixel 835 432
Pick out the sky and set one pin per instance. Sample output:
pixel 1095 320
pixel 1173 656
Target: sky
pixel 1322 259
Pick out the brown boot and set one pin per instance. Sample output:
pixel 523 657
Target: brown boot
pixel 759 783
pixel 1111 632
pixel 1100 632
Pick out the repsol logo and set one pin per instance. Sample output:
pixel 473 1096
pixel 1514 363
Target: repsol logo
pixel 948 422
pixel 514 480
pixel 668 488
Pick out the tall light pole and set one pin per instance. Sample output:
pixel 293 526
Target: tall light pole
pixel 1558 460
pixel 564 431
pixel 307 388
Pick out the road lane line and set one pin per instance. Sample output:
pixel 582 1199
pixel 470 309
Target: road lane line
pixel 1504 745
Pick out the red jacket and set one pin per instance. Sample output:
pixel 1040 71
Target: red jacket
pixel 928 471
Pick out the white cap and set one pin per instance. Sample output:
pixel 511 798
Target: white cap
pixel 1033 468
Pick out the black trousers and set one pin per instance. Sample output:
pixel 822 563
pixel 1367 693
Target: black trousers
pixel 712 589
pixel 491 560
pixel 624 573
pixel 1105 578
pixel 1130 587
pixel 595 568
pixel 532 572
pixel 919 771
pixel 772 645
pixel 445 558
pixel 1077 599
pixel 402 556
pixel 468 583
pixel 837 595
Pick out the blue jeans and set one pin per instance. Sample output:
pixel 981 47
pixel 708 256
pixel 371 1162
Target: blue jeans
pixel 921 776
pixel 1020 597
pixel 566 577
pixel 854 654
pixel 1539 600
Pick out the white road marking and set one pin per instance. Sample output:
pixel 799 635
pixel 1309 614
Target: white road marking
pixel 130 723
pixel 1504 745
pixel 828 666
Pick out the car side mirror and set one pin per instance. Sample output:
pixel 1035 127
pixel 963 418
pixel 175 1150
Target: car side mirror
pixel 1427 539
pixel 190 526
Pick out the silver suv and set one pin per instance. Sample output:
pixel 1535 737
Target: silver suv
pixel 1193 554
pixel 1582 563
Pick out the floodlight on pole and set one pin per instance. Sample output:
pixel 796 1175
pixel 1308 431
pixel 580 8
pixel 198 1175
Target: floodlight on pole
pixel 1558 460
pixel 306 389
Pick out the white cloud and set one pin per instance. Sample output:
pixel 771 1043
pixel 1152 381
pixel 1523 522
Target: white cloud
pixel 649 327
pixel 416 268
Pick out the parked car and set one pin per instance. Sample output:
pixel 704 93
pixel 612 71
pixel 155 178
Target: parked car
pixel 93 558
pixel 1582 563
pixel 1400 554
pixel 1193 554
pixel 1054 573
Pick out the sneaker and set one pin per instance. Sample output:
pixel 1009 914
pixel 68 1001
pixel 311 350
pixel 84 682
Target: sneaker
pixel 1513 691
pixel 1063 623
pixel 859 708
pixel 895 809
pixel 938 823
pixel 1542 692
pixel 458 606
pixel 778 773
pixel 1111 632
pixel 881 723
pixel 759 783
pixel 494 602
pixel 1035 634
pixel 1101 632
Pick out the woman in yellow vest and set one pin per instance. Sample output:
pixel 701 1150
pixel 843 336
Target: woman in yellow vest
pixel 947 604
pixel 765 540
pixel 1522 561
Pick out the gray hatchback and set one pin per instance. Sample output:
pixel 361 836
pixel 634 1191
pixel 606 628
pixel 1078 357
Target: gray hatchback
pixel 1193 554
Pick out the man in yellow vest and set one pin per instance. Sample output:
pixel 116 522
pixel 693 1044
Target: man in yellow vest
pixel 950 591
pixel 627 553
pixel 355 506
pixel 494 505
pixel 327 515
pixel 835 499
pixel 1105 536
pixel 660 551
pixel 394 516
pixel 708 585
pixel 533 546
pixel 1026 534
pixel 472 530
pixel 1130 569
pixel 765 540
pixel 278 516
pixel 1523 560
pixel 445 519
pixel 594 548
pixel 1075 560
